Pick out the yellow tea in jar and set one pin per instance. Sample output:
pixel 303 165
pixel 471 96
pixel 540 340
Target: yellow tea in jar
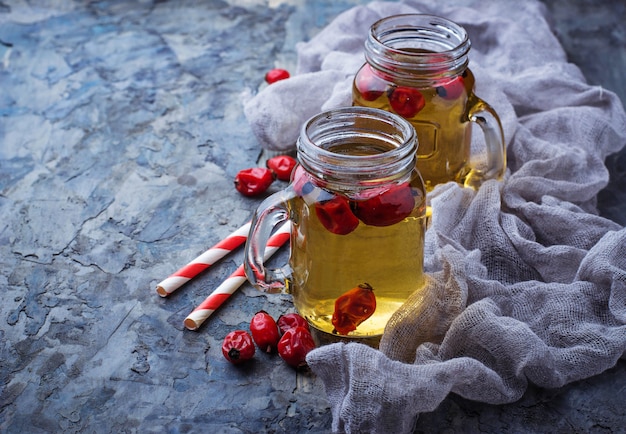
pixel 357 207
pixel 435 112
pixel 329 261
pixel 417 67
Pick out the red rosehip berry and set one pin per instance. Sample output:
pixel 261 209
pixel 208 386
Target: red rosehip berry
pixel 291 320
pixel 368 85
pixel 253 181
pixel 352 308
pixel 452 89
pixel 264 331
pixel 276 74
pixel 238 346
pixel 304 186
pixel 406 101
pixel 384 206
pixel 299 177
pixel 294 345
pixel 282 166
pixel 336 216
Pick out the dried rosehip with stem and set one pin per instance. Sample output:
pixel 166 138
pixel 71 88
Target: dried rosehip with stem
pixel 406 101
pixel 264 331
pixel 352 308
pixel 238 346
pixel 291 320
pixel 253 181
pixel 276 74
pixel 294 345
pixel 282 166
pixel 384 206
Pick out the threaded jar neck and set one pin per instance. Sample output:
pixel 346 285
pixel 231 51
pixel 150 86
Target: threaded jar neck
pixel 417 47
pixel 357 146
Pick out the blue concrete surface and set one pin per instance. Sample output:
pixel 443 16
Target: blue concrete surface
pixel 121 130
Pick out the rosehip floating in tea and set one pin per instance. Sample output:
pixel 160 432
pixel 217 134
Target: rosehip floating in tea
pixel 406 101
pixel 352 308
pixel 336 216
pixel 369 86
pixel 451 90
pixel 385 206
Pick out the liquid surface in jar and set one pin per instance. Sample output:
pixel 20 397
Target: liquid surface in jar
pixel 364 147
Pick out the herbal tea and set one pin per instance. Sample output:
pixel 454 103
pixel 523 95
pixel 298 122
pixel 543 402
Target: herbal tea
pixel 437 115
pixel 417 67
pixel 357 206
pixel 374 261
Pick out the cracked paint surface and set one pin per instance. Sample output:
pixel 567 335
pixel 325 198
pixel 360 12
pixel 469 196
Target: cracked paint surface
pixel 121 130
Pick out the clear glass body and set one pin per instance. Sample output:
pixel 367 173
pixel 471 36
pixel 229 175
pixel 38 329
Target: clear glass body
pixel 417 67
pixel 357 207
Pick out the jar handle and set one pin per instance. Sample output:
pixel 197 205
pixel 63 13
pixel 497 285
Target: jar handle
pixel 487 119
pixel 270 213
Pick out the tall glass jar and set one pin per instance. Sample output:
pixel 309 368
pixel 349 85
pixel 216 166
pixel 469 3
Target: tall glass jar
pixel 417 66
pixel 357 207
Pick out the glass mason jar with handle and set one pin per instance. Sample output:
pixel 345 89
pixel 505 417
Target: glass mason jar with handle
pixel 417 67
pixel 357 207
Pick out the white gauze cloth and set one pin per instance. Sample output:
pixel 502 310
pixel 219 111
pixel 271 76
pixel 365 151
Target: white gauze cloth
pixel 528 283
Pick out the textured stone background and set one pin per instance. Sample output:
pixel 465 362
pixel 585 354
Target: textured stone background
pixel 121 129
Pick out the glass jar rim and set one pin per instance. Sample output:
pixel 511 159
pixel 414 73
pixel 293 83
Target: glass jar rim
pixel 423 25
pixel 350 124
pixel 421 44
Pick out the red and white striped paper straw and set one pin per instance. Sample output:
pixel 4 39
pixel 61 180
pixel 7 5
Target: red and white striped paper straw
pixel 200 314
pixel 204 261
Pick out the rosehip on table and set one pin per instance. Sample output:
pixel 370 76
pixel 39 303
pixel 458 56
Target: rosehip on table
pixel 253 181
pixel 264 331
pixel 385 206
pixel 406 101
pixel 282 166
pixel 238 346
pixel 275 75
pixel 291 320
pixel 299 178
pixel 294 345
pixel 352 308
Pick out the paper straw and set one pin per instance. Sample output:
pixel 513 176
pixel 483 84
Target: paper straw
pixel 195 319
pixel 204 261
